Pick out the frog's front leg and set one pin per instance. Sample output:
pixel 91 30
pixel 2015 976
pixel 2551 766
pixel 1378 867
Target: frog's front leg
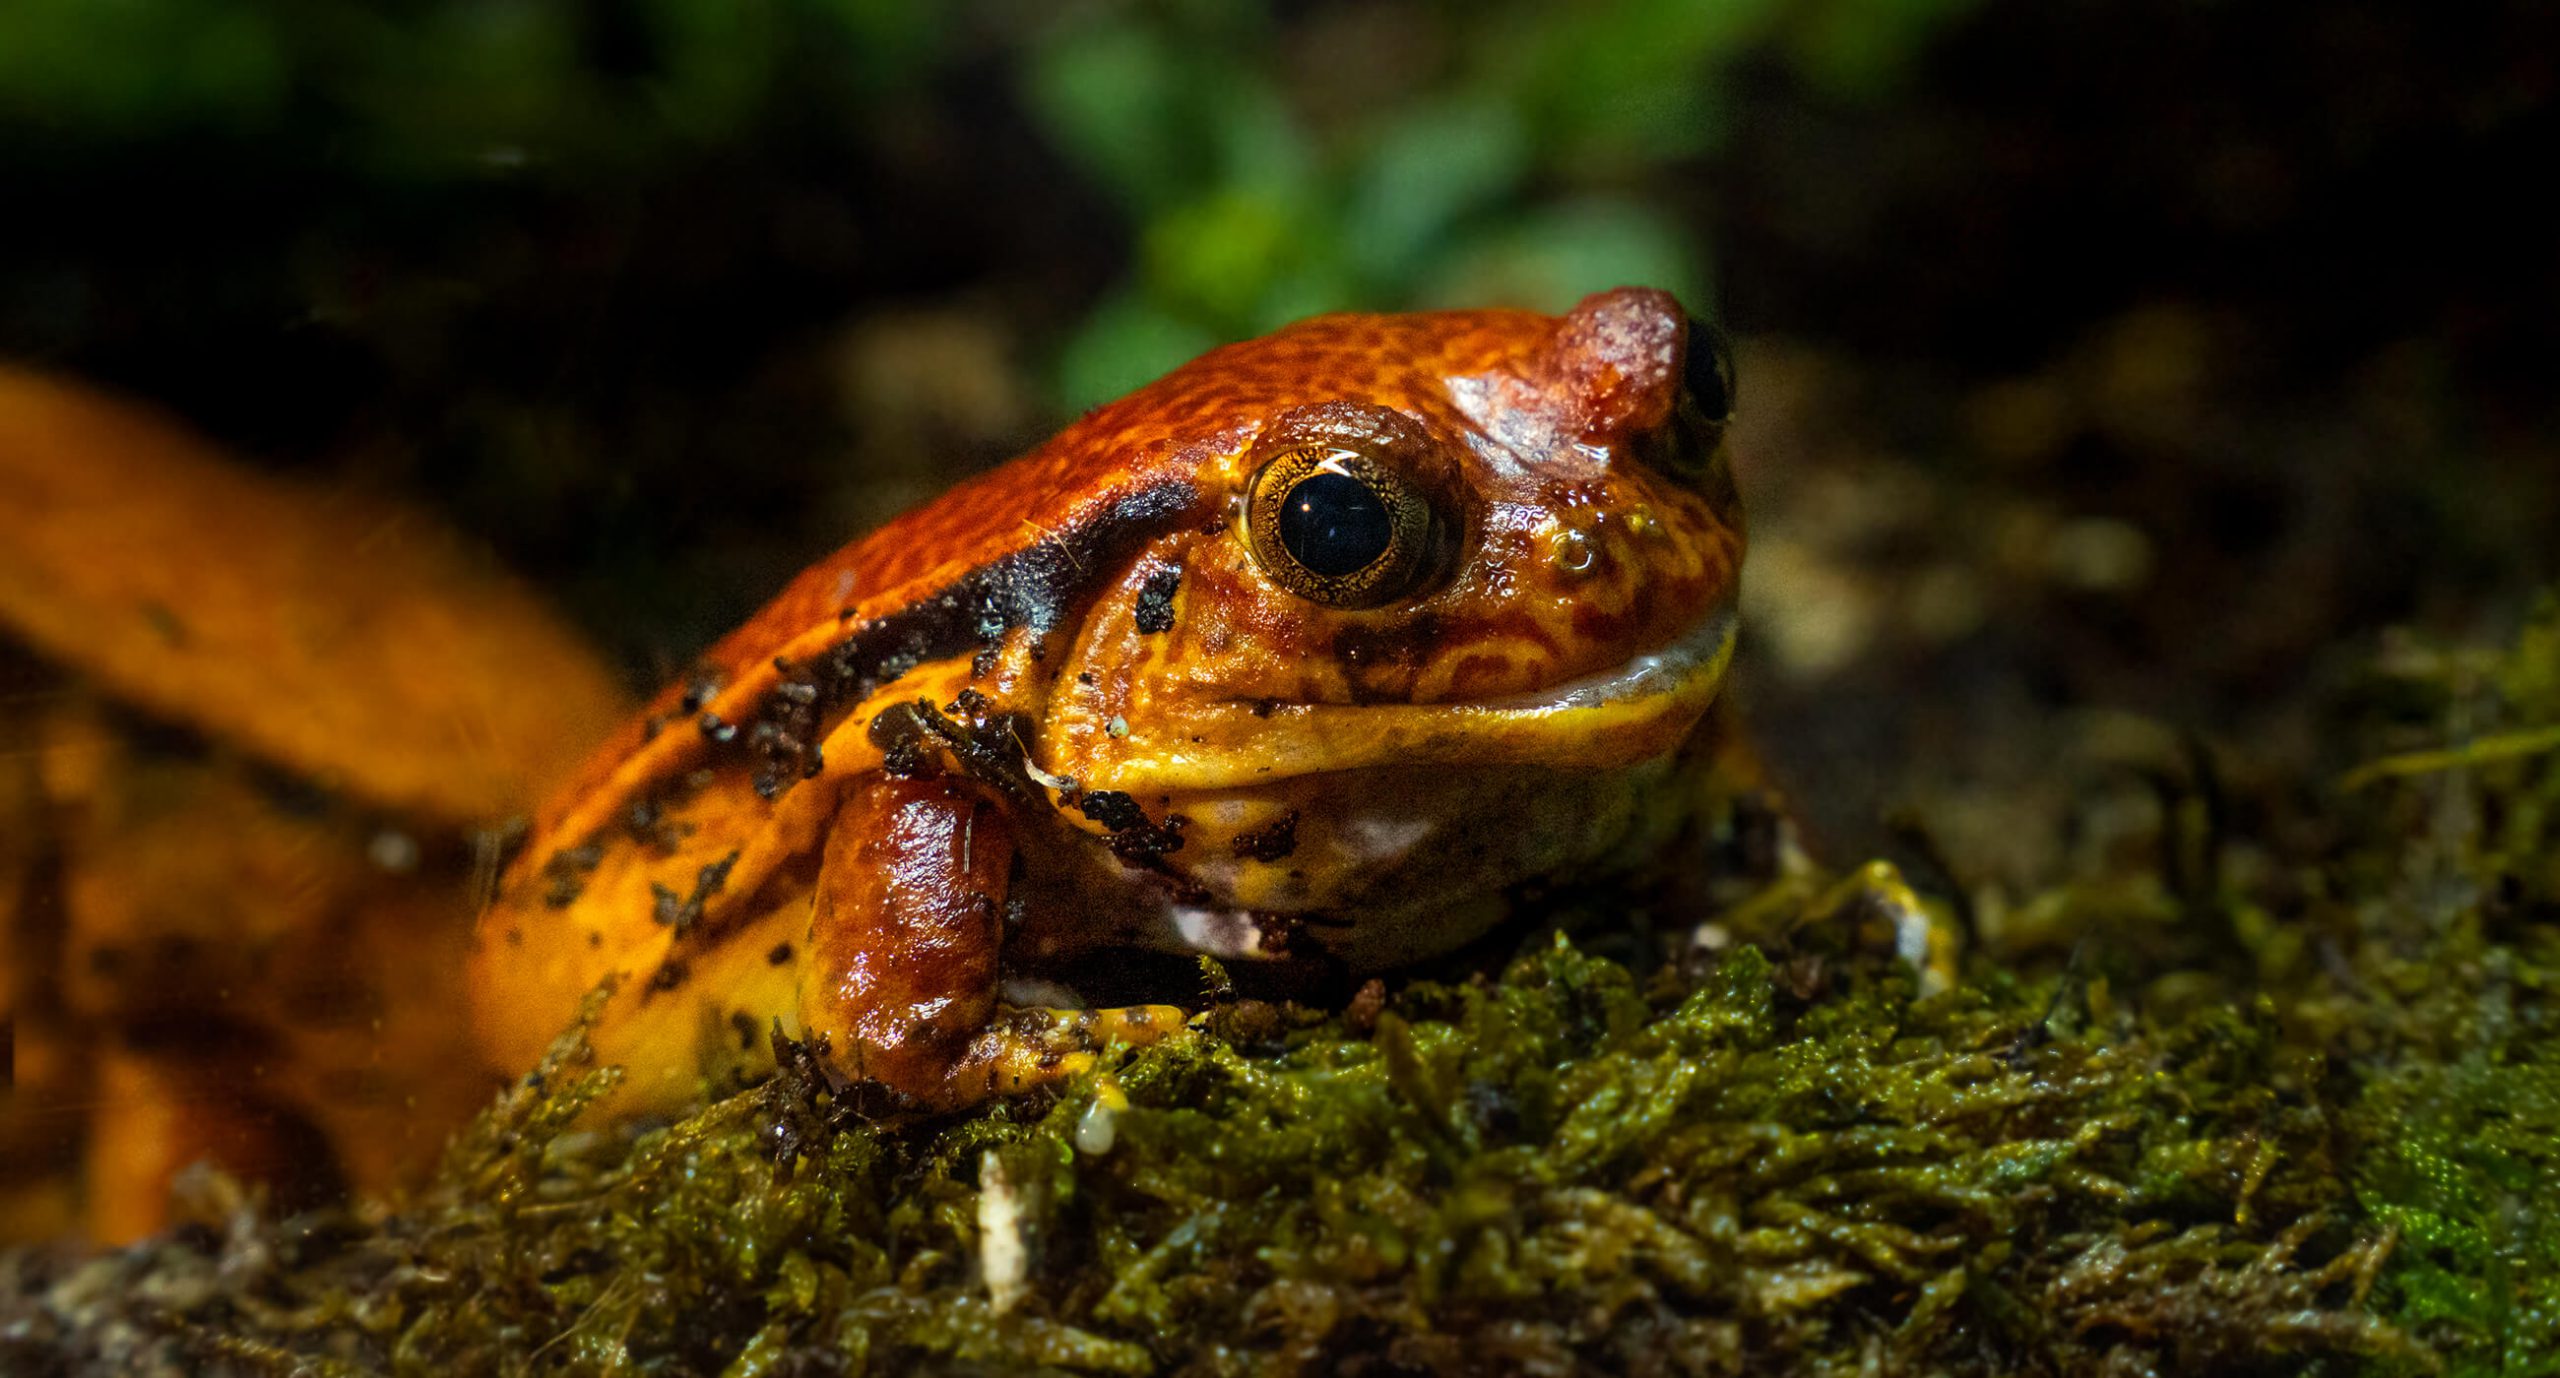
pixel 904 937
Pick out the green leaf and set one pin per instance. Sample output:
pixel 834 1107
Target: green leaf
pixel 1125 343
pixel 1428 170
pixel 1555 256
pixel 127 67
pixel 1114 97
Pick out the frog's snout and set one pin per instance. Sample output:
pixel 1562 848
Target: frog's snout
pixel 1595 543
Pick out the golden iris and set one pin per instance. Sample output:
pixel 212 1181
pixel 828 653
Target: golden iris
pixel 1337 527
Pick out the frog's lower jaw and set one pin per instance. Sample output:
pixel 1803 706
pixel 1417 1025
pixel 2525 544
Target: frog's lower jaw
pixel 1384 868
pixel 1370 943
pixel 1636 711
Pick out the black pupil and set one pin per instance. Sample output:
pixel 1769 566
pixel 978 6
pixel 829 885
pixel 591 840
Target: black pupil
pixel 1706 369
pixel 1333 525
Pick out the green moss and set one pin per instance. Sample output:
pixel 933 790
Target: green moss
pixel 1554 1170
pixel 2314 1129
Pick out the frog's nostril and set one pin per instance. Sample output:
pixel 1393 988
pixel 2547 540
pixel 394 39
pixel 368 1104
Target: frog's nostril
pixel 1573 551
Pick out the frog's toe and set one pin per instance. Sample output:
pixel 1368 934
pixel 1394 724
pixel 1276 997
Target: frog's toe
pixel 1031 1047
pixel 1872 907
pixel 1881 903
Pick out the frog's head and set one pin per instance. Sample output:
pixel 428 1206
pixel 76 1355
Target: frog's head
pixel 1475 576
pixel 1453 539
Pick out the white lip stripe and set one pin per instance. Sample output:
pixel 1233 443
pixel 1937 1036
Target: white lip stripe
pixel 1654 672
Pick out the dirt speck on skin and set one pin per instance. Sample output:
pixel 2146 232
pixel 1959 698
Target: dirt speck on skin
pixel 1154 611
pixel 1273 841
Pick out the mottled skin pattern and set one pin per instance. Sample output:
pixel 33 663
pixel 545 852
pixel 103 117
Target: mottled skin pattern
pixel 1066 707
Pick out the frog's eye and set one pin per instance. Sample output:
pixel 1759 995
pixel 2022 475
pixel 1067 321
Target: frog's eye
pixel 1706 367
pixel 1691 448
pixel 1336 527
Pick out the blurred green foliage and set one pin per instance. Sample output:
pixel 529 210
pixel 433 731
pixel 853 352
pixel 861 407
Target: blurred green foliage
pixel 426 92
pixel 1378 156
pixel 1508 153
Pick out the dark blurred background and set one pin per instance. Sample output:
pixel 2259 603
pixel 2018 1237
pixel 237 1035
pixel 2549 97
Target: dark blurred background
pixel 2112 369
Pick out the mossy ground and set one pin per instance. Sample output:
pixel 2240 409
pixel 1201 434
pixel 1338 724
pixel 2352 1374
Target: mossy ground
pixel 2290 1103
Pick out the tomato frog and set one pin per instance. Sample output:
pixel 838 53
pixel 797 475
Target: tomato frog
pixel 1318 649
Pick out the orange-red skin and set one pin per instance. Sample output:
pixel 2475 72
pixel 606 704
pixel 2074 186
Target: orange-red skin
pixel 924 862
pixel 1148 441
pixel 1028 570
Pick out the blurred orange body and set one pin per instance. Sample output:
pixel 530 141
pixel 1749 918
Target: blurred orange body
pixel 252 728
pixel 1314 651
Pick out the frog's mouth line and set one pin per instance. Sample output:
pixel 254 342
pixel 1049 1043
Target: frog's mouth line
pixel 1632 712
pixel 1701 651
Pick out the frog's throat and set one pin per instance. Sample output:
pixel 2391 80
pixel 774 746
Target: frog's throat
pixel 1633 712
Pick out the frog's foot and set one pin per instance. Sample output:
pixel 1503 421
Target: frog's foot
pixel 1028 1048
pixel 1873 904
pixel 1881 907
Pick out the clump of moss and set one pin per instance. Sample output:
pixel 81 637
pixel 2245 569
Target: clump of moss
pixel 2464 1161
pixel 1549 1172
pixel 1556 1171
pixel 2319 1132
pixel 2458 1124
